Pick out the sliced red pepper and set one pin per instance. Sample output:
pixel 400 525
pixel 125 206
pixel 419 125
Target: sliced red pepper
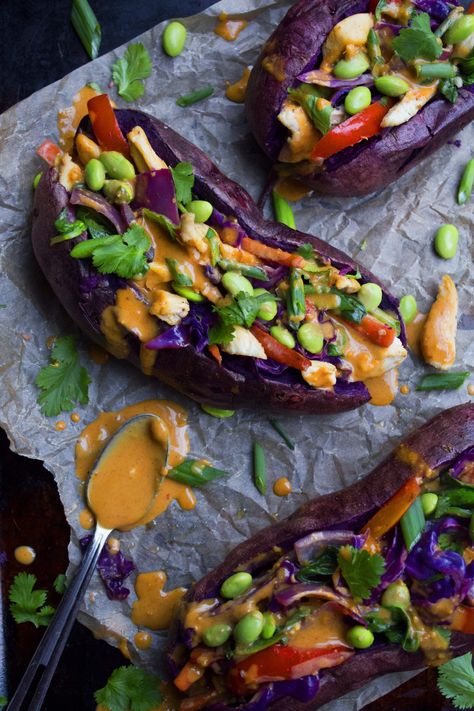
pixel 391 512
pixel 272 254
pixel 215 353
pixel 463 620
pixel 363 125
pixel 470 9
pixel 276 350
pixel 105 125
pixel 375 330
pixel 48 151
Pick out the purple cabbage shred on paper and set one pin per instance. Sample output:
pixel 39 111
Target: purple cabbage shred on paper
pixel 113 569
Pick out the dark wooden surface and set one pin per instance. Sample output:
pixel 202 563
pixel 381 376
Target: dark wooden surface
pixel 38 46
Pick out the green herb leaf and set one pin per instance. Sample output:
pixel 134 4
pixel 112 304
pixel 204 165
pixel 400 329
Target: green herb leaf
pixel 129 71
pixel 350 307
pixel 195 472
pixel 361 570
pixel 456 681
pixel 396 625
pixel 443 381
pixel 64 382
pixel 183 178
pixel 195 96
pixel 306 251
pixel 95 227
pixel 221 334
pixel 130 689
pixel 67 230
pixel 162 221
pixel 60 583
pixel 461 496
pixel 278 427
pixel 283 211
pixel 322 567
pixel 449 90
pixel 242 312
pixel 417 41
pixel 28 604
pixel 378 10
pixel 87 26
pixel 124 255
pixel 179 277
pixel 3 701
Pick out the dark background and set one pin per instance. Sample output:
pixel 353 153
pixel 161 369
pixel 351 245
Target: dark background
pixel 38 46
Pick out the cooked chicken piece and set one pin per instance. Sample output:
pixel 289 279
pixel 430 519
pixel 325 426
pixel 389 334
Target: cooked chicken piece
pixel 162 272
pixel 142 153
pixel 303 136
pixel 69 172
pixel 244 343
pixel 86 148
pixel 353 30
pixel 366 359
pixel 346 284
pixel 170 308
pixel 415 98
pixel 193 233
pixel 238 255
pixel 438 338
pixel 320 375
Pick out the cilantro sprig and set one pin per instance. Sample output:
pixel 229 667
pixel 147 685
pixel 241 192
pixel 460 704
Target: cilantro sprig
pixel 361 570
pixel 129 71
pixel 456 681
pixel 66 229
pixel 130 689
pixel 183 178
pixel 242 312
pixel 64 382
pixel 28 604
pixel 418 41
pixel 124 255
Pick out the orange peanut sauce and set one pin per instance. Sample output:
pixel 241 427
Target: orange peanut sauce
pixel 282 486
pixel 291 189
pixel 86 519
pixel 60 426
pixel 236 92
pixel 70 118
pixel 97 354
pixel 383 388
pixel 143 640
pixel 25 555
pixel 229 28
pixel 155 607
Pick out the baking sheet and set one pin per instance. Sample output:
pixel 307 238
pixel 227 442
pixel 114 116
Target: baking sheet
pixel 397 227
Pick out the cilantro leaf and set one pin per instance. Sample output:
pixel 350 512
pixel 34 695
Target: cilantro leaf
pixel 417 41
pixel 63 382
pixel 124 255
pixel 95 227
pixel 221 334
pixel 162 221
pixel 183 178
pixel 67 230
pixel 3 701
pixel 243 311
pixel 449 90
pixel 60 583
pixel 456 681
pixel 27 604
pixel 179 277
pixel 130 689
pixel 320 568
pixel 306 250
pixel 361 570
pixel 129 71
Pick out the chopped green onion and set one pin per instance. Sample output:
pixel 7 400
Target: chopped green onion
pixel 278 428
pixel 443 381
pixel 436 70
pixel 87 27
pixel 296 303
pixel 448 21
pixel 194 472
pixel 95 86
pixel 412 523
pixel 259 474
pixel 179 277
pixel 217 412
pixel 373 49
pixel 245 269
pixel 283 212
pixel 86 248
pixel 466 183
pixel 386 318
pixel 215 253
pixel 309 289
pixel 195 96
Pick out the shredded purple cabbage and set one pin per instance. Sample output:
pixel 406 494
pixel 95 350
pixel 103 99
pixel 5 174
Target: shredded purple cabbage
pixel 155 190
pixel 309 547
pixel 193 330
pixel 303 689
pixel 462 463
pixel 94 201
pixel 321 78
pixel 437 9
pixel 219 220
pixel 113 569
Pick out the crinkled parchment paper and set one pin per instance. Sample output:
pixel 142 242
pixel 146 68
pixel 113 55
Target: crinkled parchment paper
pixel 332 451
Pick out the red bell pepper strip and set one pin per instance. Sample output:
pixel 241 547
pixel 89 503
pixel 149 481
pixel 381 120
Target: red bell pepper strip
pixel 215 353
pixel 463 620
pixel 470 9
pixel 272 254
pixel 276 350
pixel 48 151
pixel 391 512
pixel 105 125
pixel 365 124
pixel 375 330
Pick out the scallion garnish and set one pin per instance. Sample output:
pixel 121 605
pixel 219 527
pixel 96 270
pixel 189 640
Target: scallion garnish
pixel 443 381
pixel 259 473
pixel 246 270
pixel 466 183
pixel 195 96
pixel 412 523
pixel 87 27
pixel 278 428
pixel 283 212
pixel 194 472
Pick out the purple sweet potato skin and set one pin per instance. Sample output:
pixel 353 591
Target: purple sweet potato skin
pixel 375 163
pixel 434 446
pixel 193 374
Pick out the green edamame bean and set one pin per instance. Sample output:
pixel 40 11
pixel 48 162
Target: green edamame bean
pixel 188 293
pixel 460 30
pixel 235 585
pixel 360 637
pixel 119 191
pixel 351 68
pixel 201 208
pixel 249 628
pixel 95 174
pixel 216 412
pixel 269 625
pixel 311 337
pixel 357 100
pixel 36 179
pixel 234 283
pixel 370 295
pixel 471 528
pixel 216 635
pixel 283 336
pixel 174 38
pixel 429 502
pixel 446 241
pixel 117 166
pixel 391 85
pixel 396 595
pixel 408 308
pixel 268 309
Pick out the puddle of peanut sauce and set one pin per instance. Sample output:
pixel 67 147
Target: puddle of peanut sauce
pixel 229 28
pixel 154 608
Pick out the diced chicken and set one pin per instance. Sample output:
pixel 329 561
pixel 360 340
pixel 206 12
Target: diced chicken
pixel 86 148
pixel 161 271
pixel 142 153
pixel 303 133
pixel 346 284
pixel 353 30
pixel 415 98
pixel 244 343
pixel 320 375
pixel 69 172
pixel 238 255
pixel 366 359
pixel 192 233
pixel 438 339
pixel 169 307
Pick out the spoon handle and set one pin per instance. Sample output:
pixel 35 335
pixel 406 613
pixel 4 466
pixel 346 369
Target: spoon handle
pixel 52 644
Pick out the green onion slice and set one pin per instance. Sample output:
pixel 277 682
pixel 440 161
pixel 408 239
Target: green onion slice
pixel 279 428
pixel 259 473
pixel 283 212
pixel 194 472
pixel 87 27
pixel 443 381
pixel 195 96
pixel 412 523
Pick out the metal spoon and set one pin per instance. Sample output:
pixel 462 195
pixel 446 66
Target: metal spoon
pixel 52 644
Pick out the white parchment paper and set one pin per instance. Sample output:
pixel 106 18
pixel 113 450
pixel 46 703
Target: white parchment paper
pixel 397 225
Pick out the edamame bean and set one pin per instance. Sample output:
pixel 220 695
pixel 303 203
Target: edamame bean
pixel 201 209
pixel 408 308
pixel 216 635
pixel 216 412
pixel 283 336
pixel 36 179
pixel 460 30
pixel 117 166
pixel 235 585
pixel 268 309
pixel 94 174
pixel 311 337
pixel 351 68
pixel 471 528
pixel 360 637
pixel 370 295
pixel 429 502
pixel 119 191
pixel 234 283
pixel 249 628
pixel 446 241
pixel 174 38
pixel 391 85
pixel 396 595
pixel 269 625
pixel 357 100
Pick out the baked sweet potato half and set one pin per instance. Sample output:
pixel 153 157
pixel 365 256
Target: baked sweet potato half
pixel 348 96
pixel 164 261
pixel 373 579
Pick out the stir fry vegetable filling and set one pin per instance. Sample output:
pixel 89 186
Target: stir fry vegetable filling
pixel 377 69
pixel 405 577
pixel 191 276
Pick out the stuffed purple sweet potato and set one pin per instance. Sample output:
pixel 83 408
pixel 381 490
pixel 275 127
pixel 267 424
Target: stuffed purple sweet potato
pixel 349 95
pixel 373 579
pixel 163 260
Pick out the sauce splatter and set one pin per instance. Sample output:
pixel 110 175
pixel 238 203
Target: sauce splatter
pixel 470 389
pixel 25 555
pixel 404 389
pixel 113 544
pixel 236 92
pixel 60 426
pixel 229 28
pixel 97 354
pixel 154 607
pixel 282 486
pixel 86 519
pixel 143 640
pixel 291 189
pixel 75 418
pixel 70 118
pixel 383 388
pixel 123 647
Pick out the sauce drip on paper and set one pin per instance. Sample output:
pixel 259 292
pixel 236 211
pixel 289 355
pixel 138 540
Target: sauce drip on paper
pixel 154 607
pixel 282 486
pixel 70 118
pixel 229 28
pixel 25 555
pixel 236 92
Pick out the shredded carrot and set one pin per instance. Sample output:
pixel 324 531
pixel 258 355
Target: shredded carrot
pixel 188 675
pixel 272 254
pixel 463 620
pixel 215 353
pixel 391 512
